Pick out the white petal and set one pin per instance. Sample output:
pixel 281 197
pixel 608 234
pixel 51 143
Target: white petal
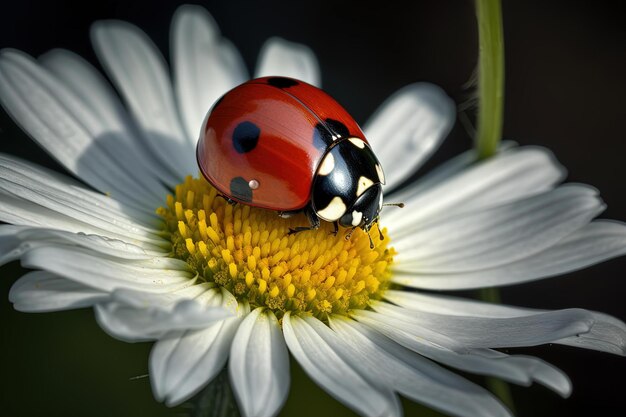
pixel 17 240
pixel 59 120
pixel 32 184
pixel 495 362
pixel 25 213
pixel 325 366
pixel 508 176
pixel 40 291
pixel 516 369
pixel 454 306
pixel 182 364
pixel 594 243
pixel 446 170
pixel 159 357
pixel 499 235
pixel 154 275
pixel 419 331
pixel 140 73
pixel 155 319
pixel 160 376
pixel 533 369
pixel 488 332
pixel 205 65
pixel 118 133
pixel 64 184
pixel 608 334
pixel 259 365
pixel 205 294
pixel 408 127
pixel 413 376
pixel 288 59
pixel 196 359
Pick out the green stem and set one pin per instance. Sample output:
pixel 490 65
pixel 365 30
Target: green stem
pixel 490 77
pixel 489 122
pixel 502 391
pixel 491 295
pixel 216 400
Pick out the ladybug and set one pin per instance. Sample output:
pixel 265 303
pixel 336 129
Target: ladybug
pixel 281 144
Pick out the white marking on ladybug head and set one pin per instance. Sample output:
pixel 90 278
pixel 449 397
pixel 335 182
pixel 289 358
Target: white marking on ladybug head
pixel 335 209
pixel 357 216
pixel 253 184
pixel 327 165
pixel 381 174
pixel 357 142
pixel 380 202
pixel 364 184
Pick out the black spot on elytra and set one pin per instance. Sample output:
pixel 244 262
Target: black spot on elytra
pixel 282 82
pixel 322 138
pixel 246 137
pixel 337 128
pixel 324 134
pixel 240 189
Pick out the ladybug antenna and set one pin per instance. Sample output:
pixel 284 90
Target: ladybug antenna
pixel 401 205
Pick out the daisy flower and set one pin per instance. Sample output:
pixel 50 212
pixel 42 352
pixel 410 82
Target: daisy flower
pixel 159 257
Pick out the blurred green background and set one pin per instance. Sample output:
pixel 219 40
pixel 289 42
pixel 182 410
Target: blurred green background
pixel 565 89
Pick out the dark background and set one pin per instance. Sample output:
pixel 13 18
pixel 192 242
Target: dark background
pixel 565 89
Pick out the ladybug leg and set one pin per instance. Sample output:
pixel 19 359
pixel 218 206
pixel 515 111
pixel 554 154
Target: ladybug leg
pixel 380 232
pixel 336 226
pixel 314 222
pixel 228 200
pixel 287 214
pixel 349 234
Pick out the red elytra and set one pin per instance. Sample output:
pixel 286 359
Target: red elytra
pixel 275 131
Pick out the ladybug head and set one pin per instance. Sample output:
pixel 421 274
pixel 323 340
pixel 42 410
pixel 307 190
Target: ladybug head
pixel 365 210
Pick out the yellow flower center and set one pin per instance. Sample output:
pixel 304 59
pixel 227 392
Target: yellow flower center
pixel 250 252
